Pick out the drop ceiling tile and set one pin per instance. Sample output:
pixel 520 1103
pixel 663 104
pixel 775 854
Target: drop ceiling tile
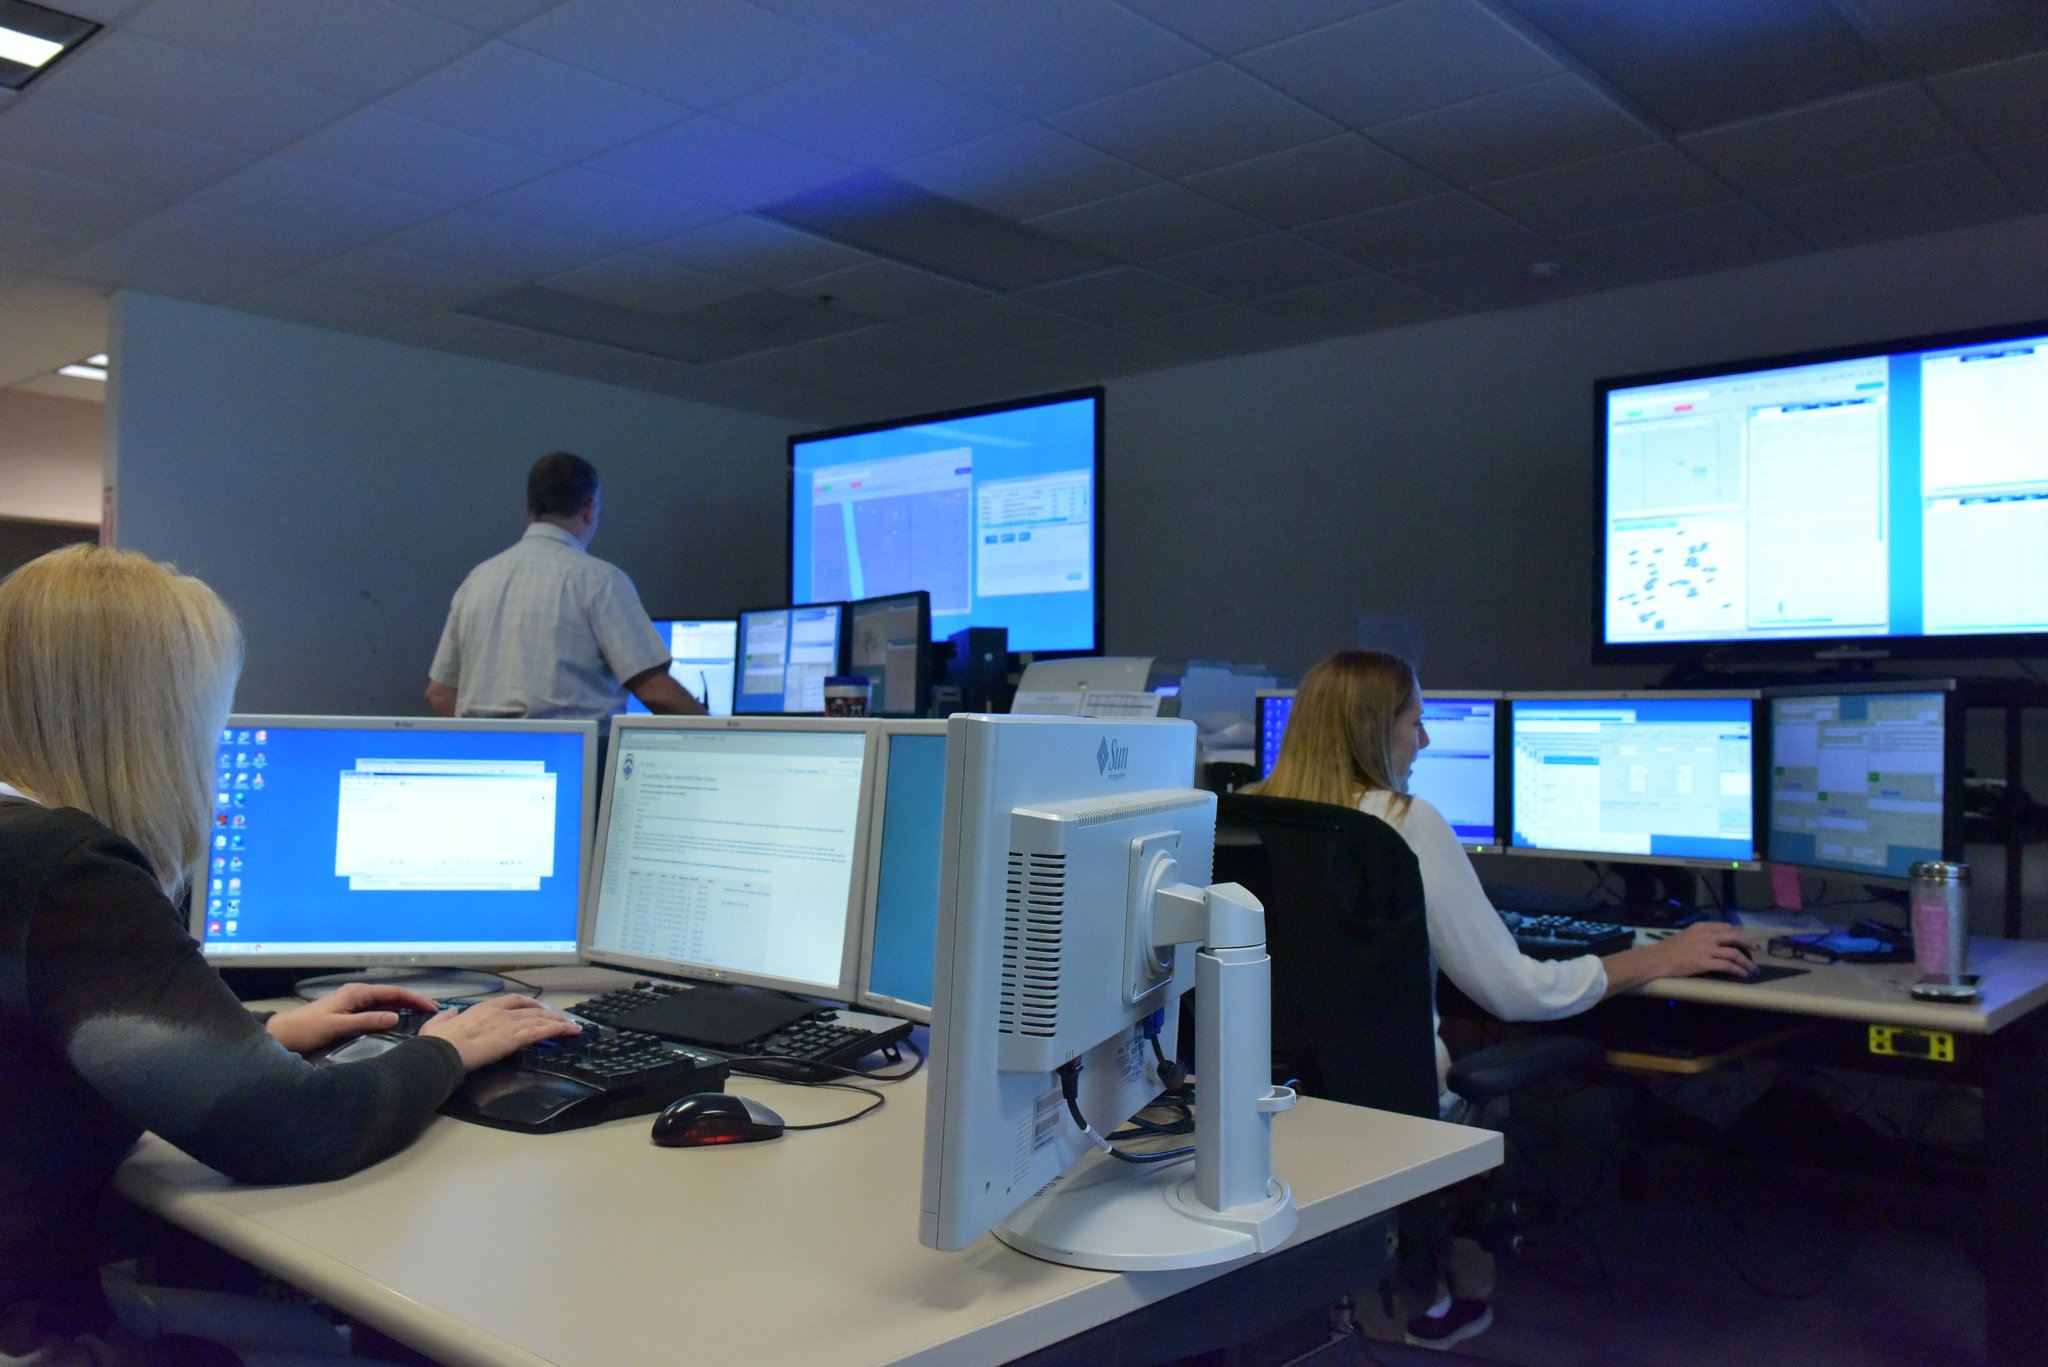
pixel 65 387
pixel 1231 26
pixel 75 142
pixel 578 202
pixel 866 111
pixel 1358 303
pixel 2024 165
pixel 890 347
pixel 1195 120
pixel 101 11
pixel 490 243
pixel 63 204
pixel 1694 242
pixel 1948 192
pixel 1094 355
pixel 432 285
pixel 419 158
pixel 1022 171
pixel 700 54
pixel 460 333
pixel 1645 183
pixel 766 319
pixel 282 193
pixel 1143 225
pixel 801 366
pixel 641 282
pixel 1035 56
pixel 232 239
pixel 1402 60
pixel 1998 102
pixel 1117 296
pixel 858 20
pixel 140 268
pixel 1257 266
pixel 992 323
pixel 484 16
pixel 747 247
pixel 1496 280
pixel 1511 132
pixel 886 290
pixel 362 49
pixel 988 378
pixel 1422 230
pixel 303 301
pixel 595 361
pixel 720 162
pixel 522 99
pixel 1925 37
pixel 1697 65
pixel 32 249
pixel 1343 175
pixel 1847 136
pixel 1224 330
pixel 748 396
pixel 566 315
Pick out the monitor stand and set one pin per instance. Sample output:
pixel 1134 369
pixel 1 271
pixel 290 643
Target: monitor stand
pixel 442 984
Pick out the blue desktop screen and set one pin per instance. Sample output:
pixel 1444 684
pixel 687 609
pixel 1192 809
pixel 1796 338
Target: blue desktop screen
pixel 1636 778
pixel 702 657
pixel 377 842
pixel 1858 781
pixel 905 943
pixel 996 514
pixel 785 656
pixel 1455 771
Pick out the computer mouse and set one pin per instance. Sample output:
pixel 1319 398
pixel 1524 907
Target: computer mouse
pixel 714 1118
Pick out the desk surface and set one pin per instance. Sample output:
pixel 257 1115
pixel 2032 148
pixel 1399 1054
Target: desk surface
pixel 594 1246
pixel 2015 982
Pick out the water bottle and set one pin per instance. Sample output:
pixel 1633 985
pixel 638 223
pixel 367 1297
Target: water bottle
pixel 1941 917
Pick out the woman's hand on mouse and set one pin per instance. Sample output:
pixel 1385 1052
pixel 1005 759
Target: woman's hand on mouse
pixel 1703 947
pixel 498 1027
pixel 351 1009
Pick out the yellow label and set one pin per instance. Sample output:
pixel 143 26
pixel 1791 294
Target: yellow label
pixel 1905 1041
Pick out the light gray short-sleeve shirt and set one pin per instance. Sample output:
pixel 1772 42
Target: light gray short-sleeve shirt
pixel 545 629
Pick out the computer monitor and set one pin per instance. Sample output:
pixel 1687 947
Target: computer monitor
pixel 733 850
pixel 398 844
pixel 889 642
pixel 1457 773
pixel 907 803
pixel 996 510
pixel 1058 834
pixel 785 656
pixel 1868 500
pixel 1657 778
pixel 702 658
pixel 1864 779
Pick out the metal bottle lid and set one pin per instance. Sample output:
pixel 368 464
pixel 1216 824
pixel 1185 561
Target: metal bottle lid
pixel 1933 871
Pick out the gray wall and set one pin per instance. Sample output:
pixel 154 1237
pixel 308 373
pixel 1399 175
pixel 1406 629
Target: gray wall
pixel 335 489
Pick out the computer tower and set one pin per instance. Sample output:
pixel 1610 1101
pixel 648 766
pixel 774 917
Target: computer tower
pixel 980 668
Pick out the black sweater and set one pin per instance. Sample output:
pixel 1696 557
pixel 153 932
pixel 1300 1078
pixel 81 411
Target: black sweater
pixel 111 1023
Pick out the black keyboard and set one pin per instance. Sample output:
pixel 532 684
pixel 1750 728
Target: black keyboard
pixel 1552 936
pixel 793 1050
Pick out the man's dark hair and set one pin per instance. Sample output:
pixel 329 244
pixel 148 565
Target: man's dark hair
pixel 559 484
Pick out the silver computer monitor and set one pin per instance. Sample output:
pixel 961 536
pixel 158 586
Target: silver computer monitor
pixel 900 924
pixel 733 849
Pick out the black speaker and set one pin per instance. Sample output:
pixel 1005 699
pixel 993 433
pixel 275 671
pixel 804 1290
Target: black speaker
pixel 980 669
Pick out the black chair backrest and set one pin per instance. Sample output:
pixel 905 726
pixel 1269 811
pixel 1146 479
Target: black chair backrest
pixel 1352 979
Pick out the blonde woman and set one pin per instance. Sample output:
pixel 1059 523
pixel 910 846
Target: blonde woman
pixel 116 675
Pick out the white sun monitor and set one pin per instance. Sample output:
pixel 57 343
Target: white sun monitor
pixel 1659 778
pixel 733 849
pixel 702 658
pixel 396 841
pixel 1457 773
pixel 900 928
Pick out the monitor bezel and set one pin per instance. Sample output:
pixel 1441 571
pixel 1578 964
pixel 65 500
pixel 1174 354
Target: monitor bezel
pixel 878 786
pixel 1953 722
pixel 922 686
pixel 739 657
pixel 285 958
pixel 1094 393
pixel 2002 645
pixel 1757 776
pixel 841 991
pixel 658 620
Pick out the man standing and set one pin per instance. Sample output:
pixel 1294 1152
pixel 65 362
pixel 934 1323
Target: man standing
pixel 546 629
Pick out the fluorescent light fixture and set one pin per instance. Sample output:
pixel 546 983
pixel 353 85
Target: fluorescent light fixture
pixel 32 37
pixel 84 372
pixel 100 360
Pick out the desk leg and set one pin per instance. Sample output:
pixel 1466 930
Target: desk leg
pixel 2016 1228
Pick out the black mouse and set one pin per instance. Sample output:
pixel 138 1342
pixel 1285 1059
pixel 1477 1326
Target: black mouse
pixel 714 1118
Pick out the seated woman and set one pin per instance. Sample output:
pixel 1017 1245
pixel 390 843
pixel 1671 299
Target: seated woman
pixel 116 675
pixel 1352 738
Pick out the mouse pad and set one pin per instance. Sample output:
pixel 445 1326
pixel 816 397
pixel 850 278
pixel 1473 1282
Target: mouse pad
pixel 715 1016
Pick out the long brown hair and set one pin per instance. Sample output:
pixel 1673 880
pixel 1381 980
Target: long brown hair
pixel 1339 742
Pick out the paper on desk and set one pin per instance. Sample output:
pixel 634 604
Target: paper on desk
pixel 1104 702
pixel 1041 702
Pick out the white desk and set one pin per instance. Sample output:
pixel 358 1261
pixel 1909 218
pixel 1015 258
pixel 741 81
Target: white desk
pixel 595 1247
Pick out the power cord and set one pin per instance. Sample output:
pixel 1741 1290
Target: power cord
pixel 1070 1090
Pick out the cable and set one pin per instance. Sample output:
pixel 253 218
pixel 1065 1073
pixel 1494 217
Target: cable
pixel 1070 1089
pixel 744 1063
pixel 879 1102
